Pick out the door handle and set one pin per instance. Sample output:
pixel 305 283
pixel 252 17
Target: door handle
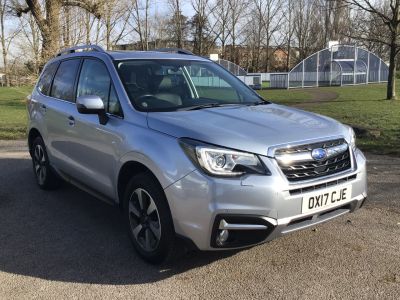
pixel 71 121
pixel 43 108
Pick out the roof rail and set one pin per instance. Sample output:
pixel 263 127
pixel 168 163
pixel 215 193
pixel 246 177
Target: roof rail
pixel 82 47
pixel 174 50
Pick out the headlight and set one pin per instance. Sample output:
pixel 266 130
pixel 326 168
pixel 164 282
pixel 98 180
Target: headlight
pixel 352 138
pixel 222 162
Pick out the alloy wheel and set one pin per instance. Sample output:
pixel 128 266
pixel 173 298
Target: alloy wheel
pixel 144 220
pixel 39 164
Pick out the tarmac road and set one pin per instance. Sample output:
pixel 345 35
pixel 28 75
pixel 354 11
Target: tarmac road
pixel 66 244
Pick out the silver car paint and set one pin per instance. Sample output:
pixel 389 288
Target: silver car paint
pixel 250 129
pixel 95 153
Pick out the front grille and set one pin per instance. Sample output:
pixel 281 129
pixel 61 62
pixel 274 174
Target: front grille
pixel 310 169
pixel 322 185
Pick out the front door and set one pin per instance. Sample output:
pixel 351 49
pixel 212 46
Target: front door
pixel 95 150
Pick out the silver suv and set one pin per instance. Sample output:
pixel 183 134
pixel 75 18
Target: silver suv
pixel 186 149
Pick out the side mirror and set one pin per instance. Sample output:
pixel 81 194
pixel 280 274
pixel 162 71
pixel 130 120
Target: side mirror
pixel 92 104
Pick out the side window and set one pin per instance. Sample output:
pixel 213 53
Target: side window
pixel 44 83
pixel 95 80
pixel 113 104
pixel 63 84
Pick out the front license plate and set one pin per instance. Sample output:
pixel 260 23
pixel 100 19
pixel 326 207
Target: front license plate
pixel 326 198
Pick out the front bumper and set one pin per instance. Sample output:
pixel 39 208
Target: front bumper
pixel 198 203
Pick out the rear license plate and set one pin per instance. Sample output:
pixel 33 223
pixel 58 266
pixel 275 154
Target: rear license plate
pixel 320 200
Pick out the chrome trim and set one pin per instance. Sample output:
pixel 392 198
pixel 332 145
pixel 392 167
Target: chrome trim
pixel 277 160
pixel 285 221
pixel 272 149
pixel 223 225
pixel 88 47
pixel 336 150
pixel 295 184
pixel 295 157
pixel 334 214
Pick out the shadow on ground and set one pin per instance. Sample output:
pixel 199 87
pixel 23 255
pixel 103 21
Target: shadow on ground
pixel 67 235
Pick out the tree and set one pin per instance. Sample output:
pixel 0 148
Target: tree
pixel 222 28
pixel 308 29
pixel 115 17
pixel 202 32
pixel 267 13
pixel 336 20
pixel 5 39
pixel 288 31
pixel 48 19
pixel 177 25
pixel 386 17
pixel 29 44
pixel 236 12
pixel 139 21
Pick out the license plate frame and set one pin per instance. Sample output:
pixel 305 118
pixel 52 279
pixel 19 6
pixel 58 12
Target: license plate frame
pixel 325 198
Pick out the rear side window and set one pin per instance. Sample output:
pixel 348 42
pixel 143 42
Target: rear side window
pixel 95 80
pixel 44 83
pixel 64 80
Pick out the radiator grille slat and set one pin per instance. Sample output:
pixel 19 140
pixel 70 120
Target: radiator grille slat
pixel 306 170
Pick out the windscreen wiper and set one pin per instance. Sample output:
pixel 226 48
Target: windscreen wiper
pixel 201 106
pixel 262 102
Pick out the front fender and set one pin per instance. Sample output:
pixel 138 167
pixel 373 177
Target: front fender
pixel 163 156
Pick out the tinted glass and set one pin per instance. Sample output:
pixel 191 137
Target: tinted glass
pixel 63 84
pixel 113 104
pixel 44 83
pixel 168 85
pixel 94 80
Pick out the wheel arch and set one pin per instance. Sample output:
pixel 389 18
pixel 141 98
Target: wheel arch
pixel 127 171
pixel 33 134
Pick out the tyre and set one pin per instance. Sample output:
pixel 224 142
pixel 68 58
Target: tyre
pixel 46 178
pixel 148 219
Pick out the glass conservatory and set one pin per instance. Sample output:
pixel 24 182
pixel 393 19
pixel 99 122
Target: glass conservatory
pixel 335 66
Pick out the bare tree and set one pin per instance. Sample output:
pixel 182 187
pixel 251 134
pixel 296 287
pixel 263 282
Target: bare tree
pixel 236 10
pixel 178 23
pixel 139 21
pixel 30 41
pixel 115 15
pixel 222 28
pixel 308 28
pixel 288 31
pixel 3 6
pixel 267 14
pixel 48 19
pixel 202 29
pixel 386 17
pixel 6 38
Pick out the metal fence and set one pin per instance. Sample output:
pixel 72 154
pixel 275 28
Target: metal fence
pixel 253 81
pixel 335 66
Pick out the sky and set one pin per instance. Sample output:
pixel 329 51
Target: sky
pixel 159 7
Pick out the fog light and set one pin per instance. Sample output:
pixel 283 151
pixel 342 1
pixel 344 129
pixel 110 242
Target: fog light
pixel 222 237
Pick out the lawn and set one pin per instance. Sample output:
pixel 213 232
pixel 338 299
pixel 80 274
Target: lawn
pixel 361 106
pixel 13 116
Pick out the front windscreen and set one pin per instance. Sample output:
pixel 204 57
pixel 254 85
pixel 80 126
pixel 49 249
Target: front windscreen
pixel 169 85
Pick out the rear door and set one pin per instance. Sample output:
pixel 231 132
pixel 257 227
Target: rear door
pixel 60 111
pixel 38 102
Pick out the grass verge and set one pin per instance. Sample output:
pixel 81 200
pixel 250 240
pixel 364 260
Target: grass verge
pixel 13 117
pixel 363 106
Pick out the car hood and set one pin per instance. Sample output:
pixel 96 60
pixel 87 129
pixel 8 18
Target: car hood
pixel 247 128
